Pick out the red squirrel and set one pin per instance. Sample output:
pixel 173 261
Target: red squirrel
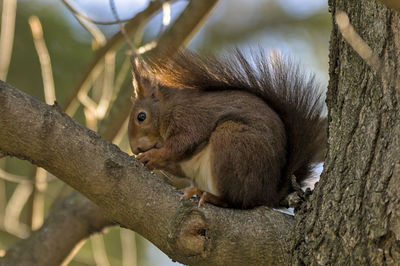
pixel 238 128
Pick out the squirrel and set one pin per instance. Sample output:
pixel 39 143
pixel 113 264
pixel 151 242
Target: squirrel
pixel 239 128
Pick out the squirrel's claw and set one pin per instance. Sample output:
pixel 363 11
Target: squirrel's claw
pixel 202 199
pixel 193 191
pixel 149 158
pixel 190 192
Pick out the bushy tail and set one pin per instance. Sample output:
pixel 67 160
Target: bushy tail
pixel 292 94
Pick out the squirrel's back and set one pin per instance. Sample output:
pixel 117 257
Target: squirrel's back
pixel 294 96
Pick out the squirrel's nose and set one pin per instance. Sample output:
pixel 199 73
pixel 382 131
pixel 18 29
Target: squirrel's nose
pixel 134 148
pixel 137 149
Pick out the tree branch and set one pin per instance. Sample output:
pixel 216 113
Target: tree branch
pixel 131 196
pixel 76 218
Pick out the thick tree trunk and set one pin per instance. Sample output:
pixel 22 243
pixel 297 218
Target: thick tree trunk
pixel 353 217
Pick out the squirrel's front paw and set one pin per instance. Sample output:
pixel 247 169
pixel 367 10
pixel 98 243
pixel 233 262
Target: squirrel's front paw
pixel 152 159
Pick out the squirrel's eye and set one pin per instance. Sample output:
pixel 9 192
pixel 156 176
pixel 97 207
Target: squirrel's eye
pixel 141 116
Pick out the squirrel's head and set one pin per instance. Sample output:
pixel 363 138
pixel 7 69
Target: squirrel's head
pixel 144 125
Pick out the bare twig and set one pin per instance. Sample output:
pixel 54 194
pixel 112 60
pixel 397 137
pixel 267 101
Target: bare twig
pixel 73 252
pixel 14 208
pixel 87 23
pixel 166 17
pixel 90 118
pixel 7 35
pixel 185 26
pixel 44 59
pixel 37 215
pixel 122 74
pixel 87 102
pixel 99 250
pixel 166 8
pixel 108 85
pixel 121 27
pixel 81 15
pixel 358 44
pixel 14 178
pixel 134 24
pixel 128 243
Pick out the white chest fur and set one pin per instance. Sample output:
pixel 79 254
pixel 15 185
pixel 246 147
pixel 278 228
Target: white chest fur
pixel 198 169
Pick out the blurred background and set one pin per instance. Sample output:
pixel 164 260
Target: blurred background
pixel 47 53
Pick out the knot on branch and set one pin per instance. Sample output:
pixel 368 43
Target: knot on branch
pixel 191 236
pixel 48 123
pixel 113 169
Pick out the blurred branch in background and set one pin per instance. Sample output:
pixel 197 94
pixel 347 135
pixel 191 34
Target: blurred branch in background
pixel 121 27
pixel 44 59
pixel 128 243
pixel 114 43
pixel 14 178
pixel 99 250
pixel 14 208
pixel 73 253
pixel 87 23
pixel 37 199
pixel 10 209
pixel 72 220
pixel 9 10
pixel 80 15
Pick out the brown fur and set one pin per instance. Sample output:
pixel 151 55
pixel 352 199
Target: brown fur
pixel 262 122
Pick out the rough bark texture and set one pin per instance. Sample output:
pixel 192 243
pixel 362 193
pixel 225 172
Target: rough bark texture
pixel 353 217
pixel 133 197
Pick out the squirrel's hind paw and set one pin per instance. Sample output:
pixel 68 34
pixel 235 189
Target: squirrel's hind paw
pixel 190 192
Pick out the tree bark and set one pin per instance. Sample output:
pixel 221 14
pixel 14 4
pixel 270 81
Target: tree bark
pixel 131 196
pixel 353 216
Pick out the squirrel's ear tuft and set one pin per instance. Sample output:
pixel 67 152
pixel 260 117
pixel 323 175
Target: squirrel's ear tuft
pixel 144 83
